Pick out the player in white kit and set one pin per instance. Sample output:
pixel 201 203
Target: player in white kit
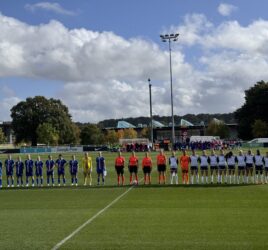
pixel 258 161
pixel 212 160
pixel 230 158
pixel 241 166
pixel 249 166
pixel 222 167
pixel 203 160
pixel 194 167
pixel 173 163
pixel 265 162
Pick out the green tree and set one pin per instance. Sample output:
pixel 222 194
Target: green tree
pixel 254 108
pixel 120 134
pixel 2 136
pixel 28 115
pixel 218 128
pixel 260 128
pixel 111 137
pixel 77 133
pixel 91 135
pixel 146 133
pixel 47 134
pixel 130 133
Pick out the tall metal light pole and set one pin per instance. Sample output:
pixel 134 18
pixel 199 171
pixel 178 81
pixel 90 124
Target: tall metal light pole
pixel 151 112
pixel 171 38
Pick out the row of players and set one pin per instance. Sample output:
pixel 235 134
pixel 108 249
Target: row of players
pixel 223 166
pixel 29 166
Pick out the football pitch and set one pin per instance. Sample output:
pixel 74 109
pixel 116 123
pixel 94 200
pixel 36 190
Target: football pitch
pixel 134 217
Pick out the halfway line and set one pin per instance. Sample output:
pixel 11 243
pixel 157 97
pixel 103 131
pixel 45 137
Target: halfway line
pixel 58 245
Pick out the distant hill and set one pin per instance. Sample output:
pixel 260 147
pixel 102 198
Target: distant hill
pixel 195 119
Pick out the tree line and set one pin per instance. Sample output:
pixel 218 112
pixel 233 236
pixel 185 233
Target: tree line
pixel 39 120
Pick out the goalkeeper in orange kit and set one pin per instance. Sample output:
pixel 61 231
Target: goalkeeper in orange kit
pixel 184 162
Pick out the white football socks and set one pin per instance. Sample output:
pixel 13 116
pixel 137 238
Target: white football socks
pixel 192 179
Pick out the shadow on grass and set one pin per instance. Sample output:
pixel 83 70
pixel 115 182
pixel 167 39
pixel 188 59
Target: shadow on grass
pixel 140 186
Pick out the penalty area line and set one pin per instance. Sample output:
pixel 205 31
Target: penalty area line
pixel 77 230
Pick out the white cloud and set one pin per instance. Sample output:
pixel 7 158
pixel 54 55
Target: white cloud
pixel 193 26
pixel 105 75
pixel 6 91
pixel 226 9
pixel 8 100
pixel 231 35
pixel 53 7
pixel 5 105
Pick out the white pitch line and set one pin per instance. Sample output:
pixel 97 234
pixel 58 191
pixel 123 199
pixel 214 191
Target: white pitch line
pixel 58 245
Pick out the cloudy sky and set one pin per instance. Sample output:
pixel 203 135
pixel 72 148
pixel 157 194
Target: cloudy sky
pixel 96 55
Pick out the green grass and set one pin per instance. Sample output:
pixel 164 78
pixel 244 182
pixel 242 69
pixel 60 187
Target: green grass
pixel 156 217
pixel 146 218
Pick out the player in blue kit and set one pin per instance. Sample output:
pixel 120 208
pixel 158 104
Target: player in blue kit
pixel 9 164
pixel 50 164
pixel 1 174
pixel 39 171
pixel 101 168
pixel 61 169
pixel 74 170
pixel 29 168
pixel 19 171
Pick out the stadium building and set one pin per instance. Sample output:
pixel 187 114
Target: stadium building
pixel 183 130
